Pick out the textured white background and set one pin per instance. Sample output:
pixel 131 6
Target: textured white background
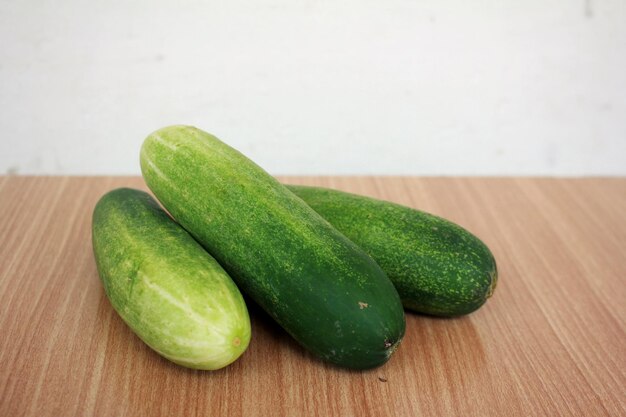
pixel 318 87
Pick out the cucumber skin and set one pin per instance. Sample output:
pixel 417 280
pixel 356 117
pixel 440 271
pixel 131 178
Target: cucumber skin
pixel 438 267
pixel 164 285
pixel 318 285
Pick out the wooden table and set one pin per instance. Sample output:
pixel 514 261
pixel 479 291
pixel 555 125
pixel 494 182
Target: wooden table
pixel 551 342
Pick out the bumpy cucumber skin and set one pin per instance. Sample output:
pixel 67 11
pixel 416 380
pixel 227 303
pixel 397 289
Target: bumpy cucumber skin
pixel 164 285
pixel 318 285
pixel 437 267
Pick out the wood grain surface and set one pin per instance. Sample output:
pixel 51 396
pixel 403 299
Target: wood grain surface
pixel 551 342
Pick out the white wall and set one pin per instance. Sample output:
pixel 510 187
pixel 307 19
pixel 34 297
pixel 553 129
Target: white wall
pixel 318 87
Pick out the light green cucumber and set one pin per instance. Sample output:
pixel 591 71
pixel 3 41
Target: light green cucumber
pixel 438 267
pixel 164 285
pixel 317 284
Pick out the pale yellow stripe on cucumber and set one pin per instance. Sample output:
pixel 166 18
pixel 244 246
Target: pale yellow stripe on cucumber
pixel 157 137
pixel 154 168
pixel 166 296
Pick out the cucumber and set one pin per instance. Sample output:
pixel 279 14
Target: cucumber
pixel 164 285
pixel 318 285
pixel 437 267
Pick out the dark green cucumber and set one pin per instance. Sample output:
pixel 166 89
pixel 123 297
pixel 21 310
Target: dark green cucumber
pixel 318 285
pixel 164 285
pixel 437 267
